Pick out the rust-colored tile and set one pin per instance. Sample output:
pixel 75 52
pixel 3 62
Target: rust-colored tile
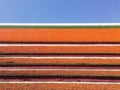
pixel 57 86
pixel 59 61
pixel 59 48
pixel 60 35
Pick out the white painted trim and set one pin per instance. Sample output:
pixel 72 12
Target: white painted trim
pixel 110 70
pixel 54 45
pixel 28 82
pixel 57 57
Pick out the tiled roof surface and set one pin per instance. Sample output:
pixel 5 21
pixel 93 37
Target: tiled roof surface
pixel 59 58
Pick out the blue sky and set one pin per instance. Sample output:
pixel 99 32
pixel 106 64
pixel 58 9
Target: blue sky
pixel 59 11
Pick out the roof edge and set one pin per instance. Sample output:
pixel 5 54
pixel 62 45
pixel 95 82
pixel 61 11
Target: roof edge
pixel 59 25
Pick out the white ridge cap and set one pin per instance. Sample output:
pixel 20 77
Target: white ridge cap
pixel 59 24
